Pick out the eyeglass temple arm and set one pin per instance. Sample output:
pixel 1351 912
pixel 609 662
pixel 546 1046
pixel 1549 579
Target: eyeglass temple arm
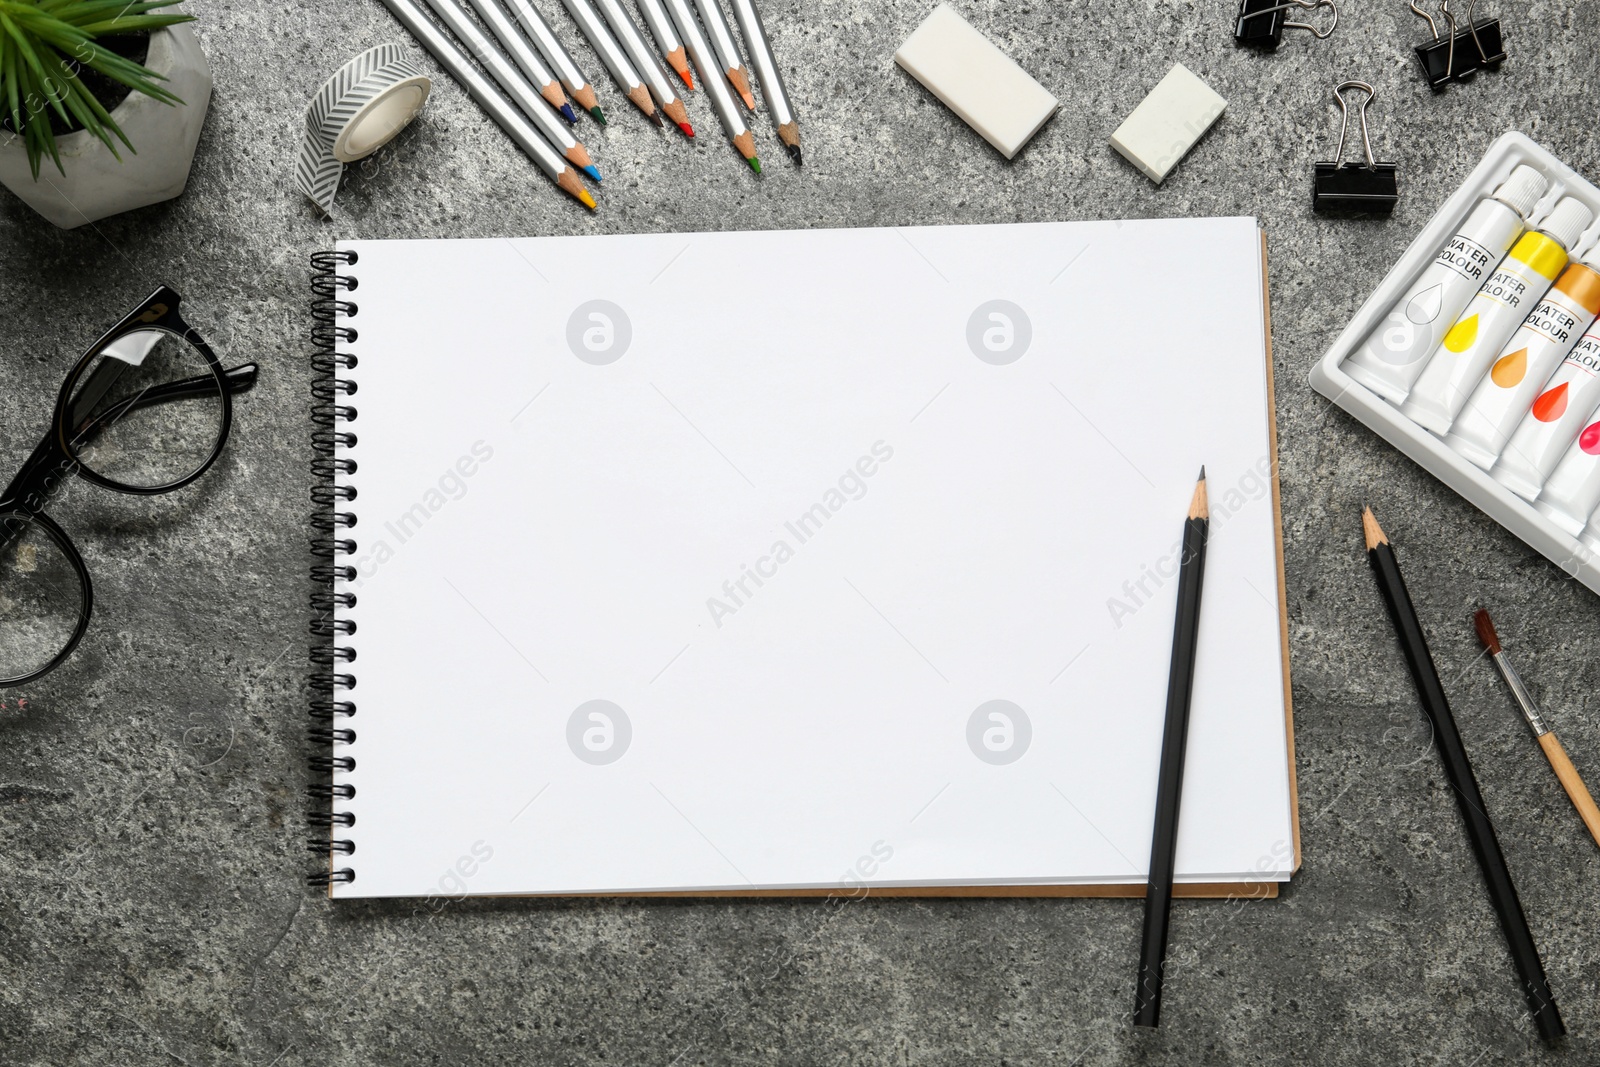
pixel 238 380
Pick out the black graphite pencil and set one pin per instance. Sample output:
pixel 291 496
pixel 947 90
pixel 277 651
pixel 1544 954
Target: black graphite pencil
pixel 1480 831
pixel 1174 739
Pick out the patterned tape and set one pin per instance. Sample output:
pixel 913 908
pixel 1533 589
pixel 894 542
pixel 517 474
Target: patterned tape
pixel 355 113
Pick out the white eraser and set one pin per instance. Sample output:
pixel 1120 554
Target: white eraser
pixel 976 80
pixel 1168 122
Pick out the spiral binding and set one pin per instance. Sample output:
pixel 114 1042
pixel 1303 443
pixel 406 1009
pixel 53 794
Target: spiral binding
pixel 329 709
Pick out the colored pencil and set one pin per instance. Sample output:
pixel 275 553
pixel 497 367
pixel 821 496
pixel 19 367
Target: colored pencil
pixel 514 84
pixel 700 55
pixel 516 44
pixel 631 38
pixel 722 41
pixel 771 78
pixel 655 16
pixel 452 59
pixel 1174 740
pixel 612 55
pixel 1568 775
pixel 1447 738
pixel 566 68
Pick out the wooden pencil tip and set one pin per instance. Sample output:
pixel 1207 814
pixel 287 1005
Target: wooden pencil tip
pixel 1202 472
pixel 1374 532
pixel 1486 632
pixel 1200 506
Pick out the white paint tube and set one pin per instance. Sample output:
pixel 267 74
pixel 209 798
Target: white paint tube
pixel 1392 357
pixel 1518 375
pixel 1512 291
pixel 1558 415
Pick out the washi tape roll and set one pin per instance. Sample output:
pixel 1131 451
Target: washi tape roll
pixel 356 112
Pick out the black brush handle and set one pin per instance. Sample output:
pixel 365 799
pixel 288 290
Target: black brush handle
pixel 1480 831
pixel 1169 784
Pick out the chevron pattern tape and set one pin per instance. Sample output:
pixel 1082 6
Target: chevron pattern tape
pixel 355 113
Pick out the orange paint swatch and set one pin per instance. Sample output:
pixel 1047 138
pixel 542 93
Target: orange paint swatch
pixel 1552 405
pixel 1510 370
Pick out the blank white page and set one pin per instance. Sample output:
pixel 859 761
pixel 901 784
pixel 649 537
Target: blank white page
pixel 796 507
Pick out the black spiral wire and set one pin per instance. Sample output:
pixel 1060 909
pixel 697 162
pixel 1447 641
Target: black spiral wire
pixel 329 707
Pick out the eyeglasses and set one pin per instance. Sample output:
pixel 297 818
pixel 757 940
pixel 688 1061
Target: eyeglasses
pixel 145 410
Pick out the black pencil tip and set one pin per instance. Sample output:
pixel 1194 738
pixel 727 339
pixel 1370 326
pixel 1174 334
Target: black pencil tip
pixel 794 153
pixel 1202 472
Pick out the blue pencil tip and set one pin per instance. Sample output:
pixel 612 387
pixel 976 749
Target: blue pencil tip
pixel 569 114
pixel 593 172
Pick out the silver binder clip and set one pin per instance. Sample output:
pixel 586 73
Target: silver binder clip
pixel 1261 22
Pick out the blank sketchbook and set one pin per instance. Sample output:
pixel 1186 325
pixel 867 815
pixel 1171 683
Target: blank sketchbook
pixel 816 561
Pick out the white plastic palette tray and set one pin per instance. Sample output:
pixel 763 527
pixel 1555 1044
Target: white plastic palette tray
pixel 1431 452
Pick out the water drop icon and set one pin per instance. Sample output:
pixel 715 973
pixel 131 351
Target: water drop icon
pixel 1510 370
pixel 1552 405
pixel 1590 440
pixel 1424 307
pixel 1462 334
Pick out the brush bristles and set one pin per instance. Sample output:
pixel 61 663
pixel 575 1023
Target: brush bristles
pixel 1486 632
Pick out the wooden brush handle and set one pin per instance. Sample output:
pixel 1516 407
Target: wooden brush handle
pixel 1572 783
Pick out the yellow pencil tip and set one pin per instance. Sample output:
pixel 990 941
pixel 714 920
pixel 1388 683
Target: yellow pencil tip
pixel 588 200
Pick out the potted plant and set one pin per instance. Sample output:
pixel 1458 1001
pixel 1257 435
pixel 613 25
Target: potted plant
pixel 101 104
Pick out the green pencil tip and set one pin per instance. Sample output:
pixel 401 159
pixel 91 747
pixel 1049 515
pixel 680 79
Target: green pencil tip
pixel 755 164
pixel 599 116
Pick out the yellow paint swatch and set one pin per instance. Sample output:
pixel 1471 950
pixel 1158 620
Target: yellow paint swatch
pixel 1462 334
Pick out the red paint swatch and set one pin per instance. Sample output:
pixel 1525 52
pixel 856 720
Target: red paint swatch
pixel 1552 405
pixel 1590 440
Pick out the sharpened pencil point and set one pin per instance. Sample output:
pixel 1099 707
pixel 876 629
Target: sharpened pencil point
pixel 593 172
pixel 794 153
pixel 1202 472
pixel 687 80
pixel 1200 506
pixel 686 128
pixel 1374 532
pixel 599 116
pixel 755 164
pixel 586 199
pixel 569 114
pixel 655 117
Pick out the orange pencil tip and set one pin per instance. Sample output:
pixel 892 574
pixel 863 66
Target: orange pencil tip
pixel 684 74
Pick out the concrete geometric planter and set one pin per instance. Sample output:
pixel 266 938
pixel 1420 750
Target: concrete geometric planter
pixel 96 184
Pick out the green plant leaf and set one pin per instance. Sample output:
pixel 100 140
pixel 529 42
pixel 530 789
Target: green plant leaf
pixel 44 44
pixel 92 115
pixel 41 82
pixel 102 118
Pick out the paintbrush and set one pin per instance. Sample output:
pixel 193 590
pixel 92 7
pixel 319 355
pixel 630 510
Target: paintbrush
pixel 1570 780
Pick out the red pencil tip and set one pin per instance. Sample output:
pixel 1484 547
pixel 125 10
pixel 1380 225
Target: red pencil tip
pixel 686 128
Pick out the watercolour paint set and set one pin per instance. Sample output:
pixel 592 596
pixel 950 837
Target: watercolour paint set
pixel 1478 355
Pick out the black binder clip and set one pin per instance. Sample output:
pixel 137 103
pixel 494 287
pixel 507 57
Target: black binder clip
pixel 1370 188
pixel 1458 54
pixel 1262 22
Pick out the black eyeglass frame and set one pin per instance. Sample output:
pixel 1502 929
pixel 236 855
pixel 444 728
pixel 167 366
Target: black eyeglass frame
pixel 57 455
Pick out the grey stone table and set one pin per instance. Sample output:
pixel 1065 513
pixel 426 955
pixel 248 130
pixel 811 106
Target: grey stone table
pixel 152 903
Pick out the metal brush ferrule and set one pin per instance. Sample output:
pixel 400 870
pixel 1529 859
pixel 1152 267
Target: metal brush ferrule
pixel 1530 710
